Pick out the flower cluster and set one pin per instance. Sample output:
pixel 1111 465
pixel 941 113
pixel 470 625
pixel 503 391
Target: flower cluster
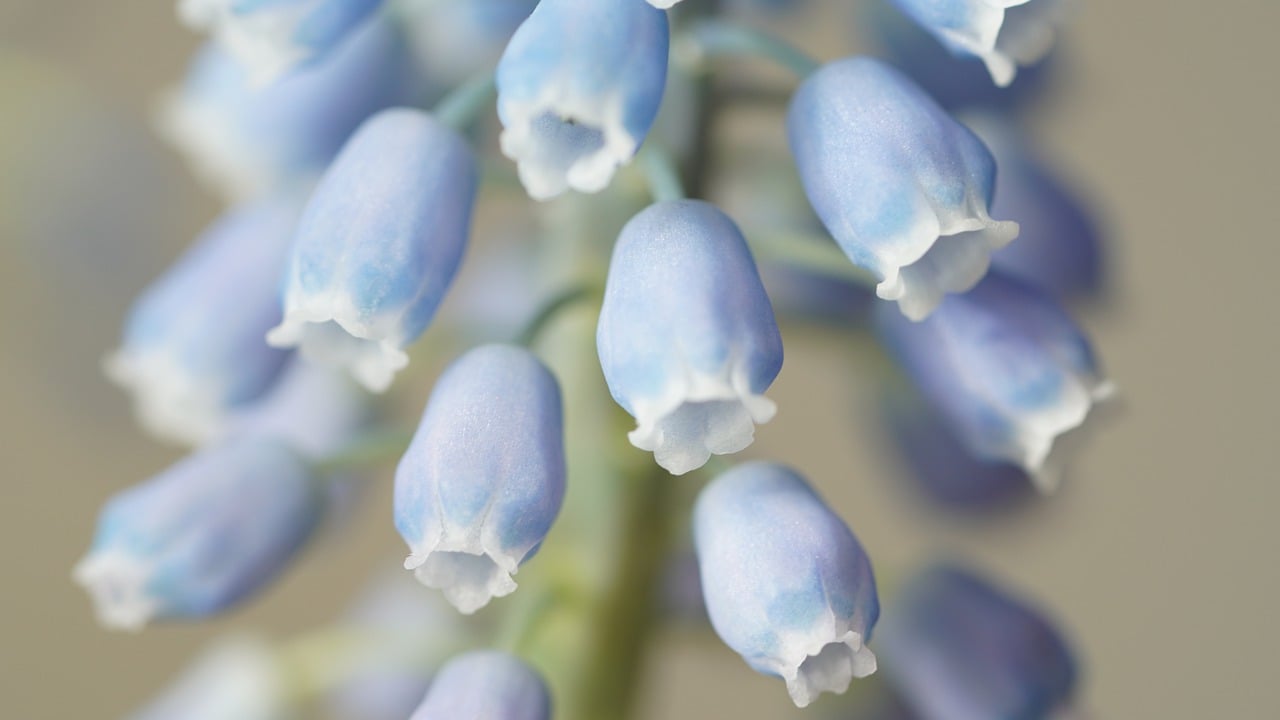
pixel 266 346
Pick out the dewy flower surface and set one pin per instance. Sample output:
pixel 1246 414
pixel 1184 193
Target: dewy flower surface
pixel 687 338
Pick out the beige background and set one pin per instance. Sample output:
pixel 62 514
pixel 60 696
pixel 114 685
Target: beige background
pixel 1159 554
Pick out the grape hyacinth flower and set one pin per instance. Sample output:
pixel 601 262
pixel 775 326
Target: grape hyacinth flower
pixel 201 536
pixel 272 37
pixel 786 583
pixel 902 187
pixel 1005 366
pixel 316 410
pixel 687 338
pixel 245 140
pixel 483 480
pixel 236 679
pixel 578 88
pixel 486 685
pixel 193 351
pixel 457 40
pixel 378 246
pixel 958 648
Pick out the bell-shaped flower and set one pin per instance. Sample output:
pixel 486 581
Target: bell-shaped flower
pixel 201 536
pixel 272 37
pixel 378 246
pixel 958 648
pixel 457 40
pixel 902 187
pixel 238 678
pixel 486 685
pixel 578 89
pixel 687 338
pixel 193 349
pixel 244 140
pixel 315 410
pixel 1005 366
pixel 786 583
pixel 1002 33
pixel 483 480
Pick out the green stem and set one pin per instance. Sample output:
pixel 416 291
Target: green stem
pixel 548 312
pixel 813 254
pixel 664 179
pixel 719 38
pixel 372 447
pixel 462 105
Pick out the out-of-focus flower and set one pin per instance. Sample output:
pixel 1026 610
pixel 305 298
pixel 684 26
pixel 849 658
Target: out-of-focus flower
pixel 900 185
pixel 236 679
pixel 316 410
pixel 201 536
pixel 244 140
pixel 378 246
pixel 193 348
pixel 456 40
pixel 483 480
pixel 786 583
pixel 1006 367
pixel 1002 33
pixel 578 89
pixel 486 685
pixel 958 648
pixel 272 37
pixel 687 338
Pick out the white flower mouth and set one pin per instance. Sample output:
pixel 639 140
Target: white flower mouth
pixel 1009 33
pixel 1037 436
pixel 699 416
pixel 335 339
pixel 263 41
pixel 828 666
pixel 117 584
pixel 211 146
pixel 468 577
pixel 561 143
pixel 168 401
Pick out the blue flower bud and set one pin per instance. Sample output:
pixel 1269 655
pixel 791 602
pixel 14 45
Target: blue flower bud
pixel 1002 33
pixel 957 648
pixel 457 40
pixel 378 246
pixel 482 482
pixel 244 140
pixel 193 350
pixel 486 685
pixel 236 679
pixel 578 89
pixel 1005 366
pixel 271 37
pixel 687 337
pixel 201 536
pixel 786 583
pixel 902 187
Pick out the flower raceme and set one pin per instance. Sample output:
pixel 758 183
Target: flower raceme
pixel 486 685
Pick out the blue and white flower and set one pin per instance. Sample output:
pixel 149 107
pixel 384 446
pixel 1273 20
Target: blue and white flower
pixel 378 246
pixel 903 187
pixel 486 685
pixel 578 89
pixel 316 410
pixel 238 678
pixel 687 337
pixel 483 480
pixel 786 583
pixel 456 40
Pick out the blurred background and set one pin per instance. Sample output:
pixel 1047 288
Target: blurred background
pixel 1157 556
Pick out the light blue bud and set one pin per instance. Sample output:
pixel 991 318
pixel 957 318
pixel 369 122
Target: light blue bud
pixel 272 37
pixel 193 351
pixel 958 648
pixel 901 186
pixel 1005 366
pixel 687 337
pixel 378 246
pixel 238 678
pixel 1002 33
pixel 201 536
pixel 578 89
pixel 486 685
pixel 786 583
pixel 483 480
pixel 244 140
pixel 457 40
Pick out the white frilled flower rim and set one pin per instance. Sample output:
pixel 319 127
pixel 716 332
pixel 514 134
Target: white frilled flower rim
pixel 262 40
pixel 699 415
pixel 826 659
pixel 563 140
pixel 1008 33
pixel 327 330
pixel 1037 436
pixel 169 402
pixel 212 147
pixel 118 585
pixel 464 569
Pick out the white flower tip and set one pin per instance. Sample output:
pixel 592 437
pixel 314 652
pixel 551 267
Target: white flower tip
pixel 831 669
pixel 558 145
pixel 1048 437
pixel 467 580
pixel 334 342
pixel 663 4
pixel 262 41
pixel 117 585
pixel 211 146
pixel 954 262
pixel 168 401
pixel 714 422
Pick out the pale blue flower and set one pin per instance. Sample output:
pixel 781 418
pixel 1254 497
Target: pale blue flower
pixel 900 185
pixel 786 583
pixel 1006 367
pixel 687 338
pixel 483 480
pixel 1002 33
pixel 486 685
pixel 238 678
pixel 958 648
pixel 244 140
pixel 272 37
pixel 193 350
pixel 316 410
pixel 578 89
pixel 201 536
pixel 378 246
